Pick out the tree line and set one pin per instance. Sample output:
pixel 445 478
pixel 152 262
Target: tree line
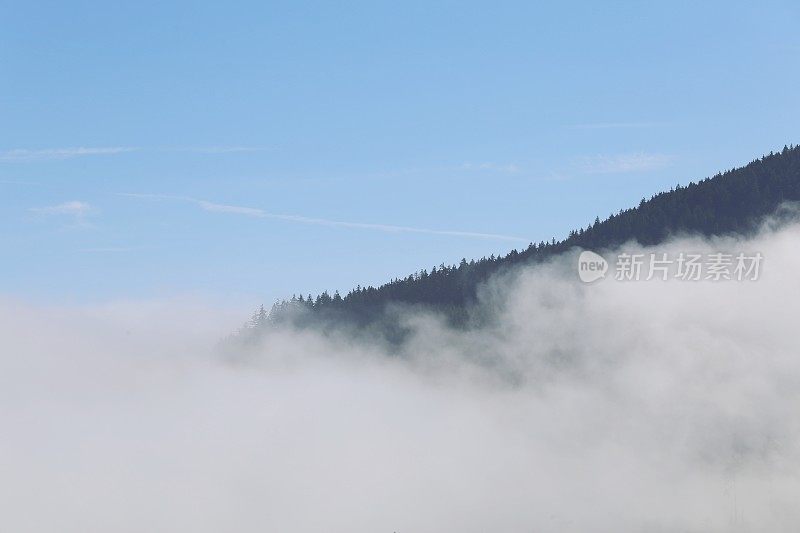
pixel 730 202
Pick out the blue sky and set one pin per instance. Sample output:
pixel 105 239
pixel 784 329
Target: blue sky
pixel 246 151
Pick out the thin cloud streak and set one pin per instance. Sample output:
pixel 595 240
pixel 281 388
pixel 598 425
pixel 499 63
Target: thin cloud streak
pixel 107 249
pixel 75 213
pixel 216 149
pixel 260 213
pixel 18 182
pixel 510 168
pixel 24 154
pixel 615 125
pixel 74 208
pixel 623 163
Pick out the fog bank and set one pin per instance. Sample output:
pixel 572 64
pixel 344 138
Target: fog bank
pixel 608 407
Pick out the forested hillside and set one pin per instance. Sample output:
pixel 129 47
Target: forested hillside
pixel 730 202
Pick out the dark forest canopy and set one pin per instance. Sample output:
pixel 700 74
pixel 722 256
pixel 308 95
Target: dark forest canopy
pixel 729 202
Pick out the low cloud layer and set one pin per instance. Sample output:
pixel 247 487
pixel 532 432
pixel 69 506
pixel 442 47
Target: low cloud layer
pixel 610 407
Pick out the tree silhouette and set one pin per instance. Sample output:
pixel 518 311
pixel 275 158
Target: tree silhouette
pixel 728 203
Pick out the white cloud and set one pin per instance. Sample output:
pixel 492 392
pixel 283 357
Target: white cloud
pixel 389 228
pixel 27 154
pixel 510 168
pixel 24 154
pixel 623 163
pixel 107 249
pixel 260 213
pixel 74 208
pixel 217 149
pixel 615 125
pixel 18 182
pixel 235 209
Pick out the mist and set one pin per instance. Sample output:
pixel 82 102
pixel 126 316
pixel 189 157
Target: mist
pixel 606 407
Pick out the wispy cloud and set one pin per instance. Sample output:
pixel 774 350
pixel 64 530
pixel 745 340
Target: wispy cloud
pixel 614 125
pixel 495 167
pixel 18 182
pixel 74 211
pixel 235 209
pixel 25 154
pixel 216 149
pixel 73 208
pixel 254 212
pixel 106 249
pixel 618 164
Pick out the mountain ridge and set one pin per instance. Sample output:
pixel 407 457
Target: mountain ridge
pixel 729 202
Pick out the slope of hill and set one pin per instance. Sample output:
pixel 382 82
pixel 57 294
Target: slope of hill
pixel 730 202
